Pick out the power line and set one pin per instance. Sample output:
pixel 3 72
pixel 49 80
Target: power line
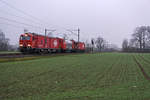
pixel 72 31
pixel 11 25
pixel 78 30
pixel 39 20
pixel 11 6
pixel 15 26
pixel 21 11
pixel 19 17
pixel 19 22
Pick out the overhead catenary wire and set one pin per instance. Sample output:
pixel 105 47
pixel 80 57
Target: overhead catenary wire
pixel 27 19
pixel 29 15
pixel 21 11
pixel 11 25
pixel 13 7
pixel 14 21
pixel 24 24
pixel 72 32
pixel 11 20
pixel 16 26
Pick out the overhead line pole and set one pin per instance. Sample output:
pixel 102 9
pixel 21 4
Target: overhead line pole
pixel 45 37
pixel 48 30
pixel 78 34
pixel 78 30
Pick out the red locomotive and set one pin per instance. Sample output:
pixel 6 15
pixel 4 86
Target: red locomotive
pixel 35 43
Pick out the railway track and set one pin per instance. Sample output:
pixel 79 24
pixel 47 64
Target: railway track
pixel 13 55
pixel 20 55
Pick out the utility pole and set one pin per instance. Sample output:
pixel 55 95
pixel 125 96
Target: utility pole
pixel 48 30
pixel 78 30
pixel 45 37
pixel 45 32
pixel 78 34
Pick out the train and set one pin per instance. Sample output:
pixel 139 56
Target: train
pixel 36 43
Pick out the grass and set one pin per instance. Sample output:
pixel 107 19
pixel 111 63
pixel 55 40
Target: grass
pixel 102 76
pixel 8 52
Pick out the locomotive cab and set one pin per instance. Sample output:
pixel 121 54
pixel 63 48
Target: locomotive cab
pixel 25 43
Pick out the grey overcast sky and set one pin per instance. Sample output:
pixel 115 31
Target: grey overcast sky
pixel 112 19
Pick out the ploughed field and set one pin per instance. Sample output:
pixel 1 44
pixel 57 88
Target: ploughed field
pixel 101 76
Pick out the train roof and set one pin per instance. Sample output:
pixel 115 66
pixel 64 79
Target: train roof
pixel 42 35
pixel 51 37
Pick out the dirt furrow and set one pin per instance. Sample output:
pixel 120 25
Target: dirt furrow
pixel 141 68
pixel 144 59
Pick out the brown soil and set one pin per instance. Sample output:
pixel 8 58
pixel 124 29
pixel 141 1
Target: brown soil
pixel 147 61
pixel 141 68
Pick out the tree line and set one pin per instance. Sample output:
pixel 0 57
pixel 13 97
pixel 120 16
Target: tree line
pixel 139 42
pixel 99 44
pixel 4 43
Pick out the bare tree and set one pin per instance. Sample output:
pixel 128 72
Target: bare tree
pixel 4 42
pixel 140 36
pixel 100 43
pixel 88 46
pixel 140 40
pixel 125 45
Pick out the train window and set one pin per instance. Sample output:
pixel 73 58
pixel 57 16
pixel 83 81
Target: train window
pixel 25 38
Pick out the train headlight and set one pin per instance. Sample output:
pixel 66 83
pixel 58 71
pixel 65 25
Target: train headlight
pixel 26 35
pixel 29 45
pixel 21 45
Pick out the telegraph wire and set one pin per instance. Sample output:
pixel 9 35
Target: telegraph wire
pixel 20 17
pixel 11 20
pixel 16 26
pixel 11 6
pixel 21 11
pixel 14 21
pixel 11 25
pixel 33 17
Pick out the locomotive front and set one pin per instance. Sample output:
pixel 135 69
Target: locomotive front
pixel 25 43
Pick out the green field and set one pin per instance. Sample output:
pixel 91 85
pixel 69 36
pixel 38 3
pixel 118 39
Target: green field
pixel 101 76
pixel 8 52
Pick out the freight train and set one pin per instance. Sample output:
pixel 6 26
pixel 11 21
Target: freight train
pixel 35 43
